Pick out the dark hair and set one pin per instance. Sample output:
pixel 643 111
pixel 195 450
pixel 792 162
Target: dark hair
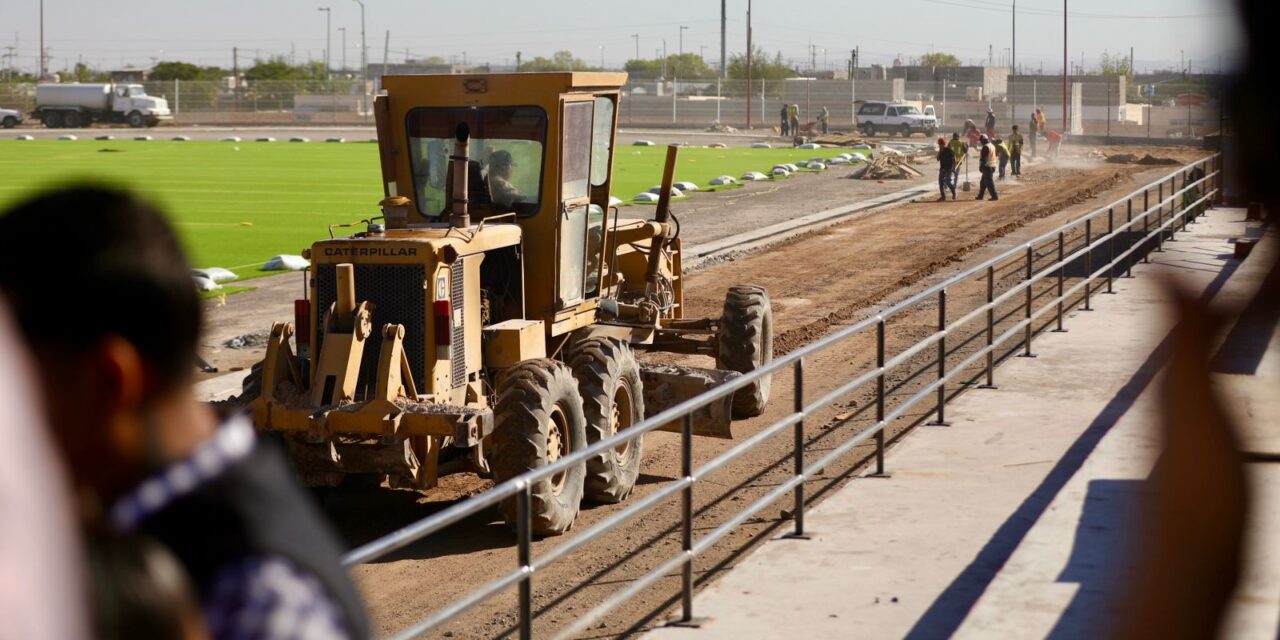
pixel 82 263
pixel 137 589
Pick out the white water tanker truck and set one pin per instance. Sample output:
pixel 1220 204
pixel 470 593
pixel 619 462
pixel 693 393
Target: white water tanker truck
pixel 80 105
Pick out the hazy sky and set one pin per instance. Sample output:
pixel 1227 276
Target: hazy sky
pixel 116 33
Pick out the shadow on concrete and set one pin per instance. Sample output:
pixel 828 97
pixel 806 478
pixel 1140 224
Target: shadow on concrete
pixel 1102 558
pixel 949 610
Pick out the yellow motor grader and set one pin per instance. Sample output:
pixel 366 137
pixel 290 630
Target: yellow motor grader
pixel 488 320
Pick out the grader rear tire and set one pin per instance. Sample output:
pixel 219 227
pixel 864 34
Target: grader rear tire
pixel 538 420
pixel 746 344
pixel 612 400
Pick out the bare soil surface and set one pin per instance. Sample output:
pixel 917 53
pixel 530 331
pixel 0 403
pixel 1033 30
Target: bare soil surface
pixel 818 283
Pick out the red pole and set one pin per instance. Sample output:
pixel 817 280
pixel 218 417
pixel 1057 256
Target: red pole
pixel 1065 128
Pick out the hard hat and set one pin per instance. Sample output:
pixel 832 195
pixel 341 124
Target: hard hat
pixel 942 142
pixel 983 138
pixel 501 158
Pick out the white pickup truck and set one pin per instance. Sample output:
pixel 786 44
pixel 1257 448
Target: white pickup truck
pixel 894 117
pixel 10 118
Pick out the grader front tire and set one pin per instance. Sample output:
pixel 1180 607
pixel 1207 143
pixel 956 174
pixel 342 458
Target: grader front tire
pixel 539 420
pixel 612 401
pixel 746 344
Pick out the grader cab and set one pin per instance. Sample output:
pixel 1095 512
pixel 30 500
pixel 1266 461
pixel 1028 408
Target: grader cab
pixel 489 320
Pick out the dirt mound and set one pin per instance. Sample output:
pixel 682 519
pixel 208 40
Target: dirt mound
pixel 1129 158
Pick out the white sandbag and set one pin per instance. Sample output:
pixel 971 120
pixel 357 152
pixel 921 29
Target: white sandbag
pixel 67 136
pixel 686 186
pixel 286 263
pixel 231 139
pixel 761 145
pixel 181 138
pixel 205 284
pixel 614 201
pixel 646 197
pixel 753 176
pixel 216 274
pixel 720 181
pixel 643 143
pixel 299 139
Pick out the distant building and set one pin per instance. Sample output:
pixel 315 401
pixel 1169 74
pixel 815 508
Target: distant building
pixel 126 76
pixel 417 68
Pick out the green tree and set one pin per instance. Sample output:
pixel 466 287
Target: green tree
pixel 761 67
pixel 175 71
pixel 939 59
pixel 559 61
pixel 643 68
pixel 1115 65
pixel 82 73
pixel 687 66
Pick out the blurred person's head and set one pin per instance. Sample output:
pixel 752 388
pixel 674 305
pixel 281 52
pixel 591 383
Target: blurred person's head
pixel 114 333
pixel 138 589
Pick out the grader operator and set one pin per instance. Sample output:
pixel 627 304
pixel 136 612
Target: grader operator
pixel 489 320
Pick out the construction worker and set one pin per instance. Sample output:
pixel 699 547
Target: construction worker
pixel 1035 130
pixel 824 118
pixel 971 132
pixel 1015 152
pixel 1002 151
pixel 504 193
pixel 991 123
pixel 987 165
pixel 1055 144
pixel 961 151
pixel 946 170
pixel 794 118
pixel 786 129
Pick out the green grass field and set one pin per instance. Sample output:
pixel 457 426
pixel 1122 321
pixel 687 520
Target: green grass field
pixel 238 204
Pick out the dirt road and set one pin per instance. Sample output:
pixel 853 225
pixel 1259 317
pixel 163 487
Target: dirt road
pixel 818 283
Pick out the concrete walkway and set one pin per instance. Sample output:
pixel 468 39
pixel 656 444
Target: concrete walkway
pixel 1014 521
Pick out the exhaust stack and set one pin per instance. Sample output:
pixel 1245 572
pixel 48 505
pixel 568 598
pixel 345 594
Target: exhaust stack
pixel 458 215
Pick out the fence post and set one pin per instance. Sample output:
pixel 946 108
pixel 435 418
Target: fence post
pixel 1111 247
pixel 177 97
pixel 799 452
pixel 880 396
pixel 1160 217
pixel 686 508
pixel 1088 262
pixel 1173 204
pixel 1146 221
pixel 1062 274
pixel 991 322
pixel 941 421
pixel 524 531
pixel 1129 232
pixel 1026 341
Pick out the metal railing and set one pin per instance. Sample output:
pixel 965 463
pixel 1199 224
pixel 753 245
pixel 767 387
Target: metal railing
pixel 1200 182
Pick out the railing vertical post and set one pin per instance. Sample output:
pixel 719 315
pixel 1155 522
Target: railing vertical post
pixel 1160 217
pixel 1146 223
pixel 941 420
pixel 799 445
pixel 686 518
pixel 524 531
pixel 1062 274
pixel 880 397
pixel 1111 247
pixel 991 328
pixel 1088 261
pixel 1128 273
pixel 1173 207
pixel 1026 341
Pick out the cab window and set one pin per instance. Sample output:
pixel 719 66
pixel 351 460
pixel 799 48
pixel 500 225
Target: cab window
pixel 506 152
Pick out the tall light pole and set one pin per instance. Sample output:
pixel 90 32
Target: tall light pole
pixel 343 30
pixel 364 63
pixel 637 39
pixel 682 28
pixel 328 38
pixel 724 70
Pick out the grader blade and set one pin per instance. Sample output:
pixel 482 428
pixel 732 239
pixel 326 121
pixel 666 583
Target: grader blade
pixel 668 385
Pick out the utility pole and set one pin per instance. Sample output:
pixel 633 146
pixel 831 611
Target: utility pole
pixel 328 38
pixel 724 70
pixel 386 53
pixel 636 36
pixel 1064 67
pixel 748 64
pixel 702 52
pixel 1013 68
pixel 344 48
pixel 518 61
pixel 235 75
pixel 364 62
pixel 682 29
pixel 664 58
pixel 42 53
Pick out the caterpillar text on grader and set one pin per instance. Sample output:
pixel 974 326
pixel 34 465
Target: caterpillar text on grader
pixel 489 322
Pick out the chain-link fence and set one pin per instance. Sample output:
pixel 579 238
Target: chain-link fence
pixel 1096 105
